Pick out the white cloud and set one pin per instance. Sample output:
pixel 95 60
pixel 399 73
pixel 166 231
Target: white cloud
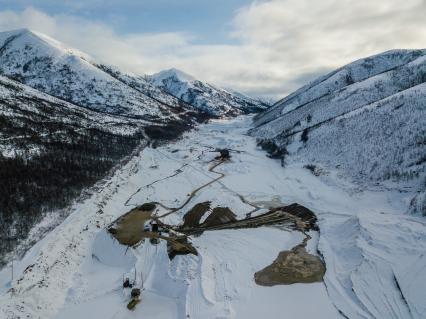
pixel 279 44
pixel 303 37
pixel 131 52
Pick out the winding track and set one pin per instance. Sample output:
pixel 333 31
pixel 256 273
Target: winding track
pixel 171 210
pixel 177 172
pixel 195 191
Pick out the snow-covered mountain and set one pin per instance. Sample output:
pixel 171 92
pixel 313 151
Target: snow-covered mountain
pixel 362 128
pixel 26 112
pixel 368 119
pixel 204 96
pixel 47 65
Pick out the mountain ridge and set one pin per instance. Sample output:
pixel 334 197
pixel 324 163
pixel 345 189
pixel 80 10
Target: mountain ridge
pixel 44 63
pixel 345 76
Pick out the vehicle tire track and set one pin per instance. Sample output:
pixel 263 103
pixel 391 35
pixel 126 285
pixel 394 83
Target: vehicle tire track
pixel 177 172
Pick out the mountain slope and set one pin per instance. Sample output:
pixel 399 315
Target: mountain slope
pixel 204 96
pixel 50 150
pixel 27 113
pixel 366 118
pixel 66 120
pixel 326 87
pixel 363 123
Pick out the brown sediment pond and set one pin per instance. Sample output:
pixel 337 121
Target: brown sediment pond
pixel 129 228
pixel 290 267
pixel 295 265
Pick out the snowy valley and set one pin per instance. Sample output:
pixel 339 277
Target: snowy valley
pixel 366 243
pixel 67 121
pixel 312 208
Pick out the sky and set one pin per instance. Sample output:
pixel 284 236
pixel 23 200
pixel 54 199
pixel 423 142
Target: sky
pixel 261 48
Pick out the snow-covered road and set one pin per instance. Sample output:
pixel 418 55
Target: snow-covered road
pixel 376 266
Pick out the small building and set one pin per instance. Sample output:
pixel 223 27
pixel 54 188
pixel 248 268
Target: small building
pixel 154 226
pixel 224 154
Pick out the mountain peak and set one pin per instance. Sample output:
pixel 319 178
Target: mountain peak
pixel 27 33
pixel 21 38
pixel 173 72
pixel 15 32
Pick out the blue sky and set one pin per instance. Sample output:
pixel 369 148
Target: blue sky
pixel 209 20
pixel 265 48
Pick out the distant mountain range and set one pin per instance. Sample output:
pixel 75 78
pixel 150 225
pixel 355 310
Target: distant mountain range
pixel 47 65
pixel 204 96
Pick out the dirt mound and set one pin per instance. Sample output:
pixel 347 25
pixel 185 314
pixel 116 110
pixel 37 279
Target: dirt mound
pixel 179 246
pixel 294 216
pixel 294 266
pixel 304 214
pixel 219 216
pixel 192 217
